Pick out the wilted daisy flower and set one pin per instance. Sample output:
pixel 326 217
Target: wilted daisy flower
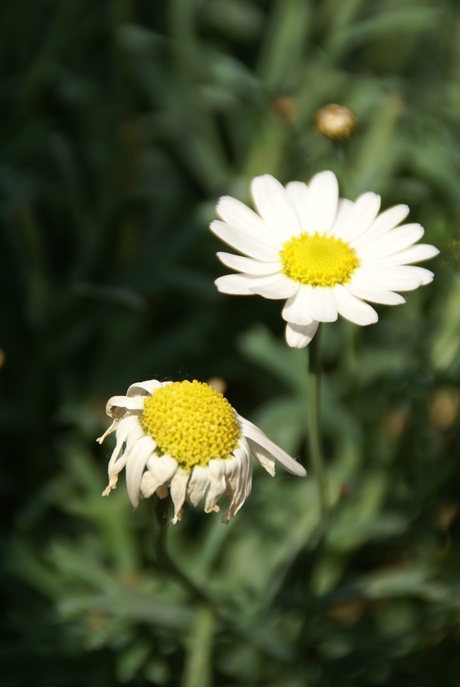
pixel 325 255
pixel 185 437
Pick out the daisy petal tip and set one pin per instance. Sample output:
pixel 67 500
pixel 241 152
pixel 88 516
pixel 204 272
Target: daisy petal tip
pixel 226 518
pixel 214 225
pixel 326 175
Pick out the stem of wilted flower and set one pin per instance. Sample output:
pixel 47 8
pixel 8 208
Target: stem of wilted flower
pixel 314 436
pixel 160 530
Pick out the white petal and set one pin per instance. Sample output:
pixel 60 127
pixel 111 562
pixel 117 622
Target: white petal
pixel 275 286
pixel 323 307
pixel 392 242
pixel 128 428
pixel 425 276
pixel 392 278
pixel 259 246
pixel 298 192
pixel 299 336
pixel 403 277
pixel 238 215
pixel 359 218
pixel 239 478
pixel 297 308
pixel 238 472
pixel 418 253
pixel 255 436
pixel 160 470
pixel 375 295
pixel 217 485
pixel 263 457
pixel 235 284
pixel 125 428
pixel 178 491
pixel 344 208
pixel 118 406
pixel 137 458
pixel 322 202
pixel 107 432
pixel 275 207
pixel 385 222
pixel 365 211
pixel 198 483
pixel 143 388
pixel 352 308
pixel 248 265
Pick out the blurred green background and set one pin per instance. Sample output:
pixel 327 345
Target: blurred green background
pixel 123 121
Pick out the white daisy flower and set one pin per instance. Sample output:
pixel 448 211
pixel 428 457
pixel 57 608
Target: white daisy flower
pixel 325 255
pixel 185 437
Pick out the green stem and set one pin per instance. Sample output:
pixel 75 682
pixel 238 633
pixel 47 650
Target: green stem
pixel 314 437
pixel 160 531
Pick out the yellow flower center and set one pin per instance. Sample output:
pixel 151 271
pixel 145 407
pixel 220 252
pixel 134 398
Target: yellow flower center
pixel 192 422
pixel 318 260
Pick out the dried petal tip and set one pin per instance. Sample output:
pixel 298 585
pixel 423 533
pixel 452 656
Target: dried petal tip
pixel 336 122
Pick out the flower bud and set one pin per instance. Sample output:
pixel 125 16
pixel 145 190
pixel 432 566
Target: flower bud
pixel 336 122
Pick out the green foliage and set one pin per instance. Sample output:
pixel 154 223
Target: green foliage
pixel 122 122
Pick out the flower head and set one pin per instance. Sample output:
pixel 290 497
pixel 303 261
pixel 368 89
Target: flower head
pixel 186 437
pixel 327 256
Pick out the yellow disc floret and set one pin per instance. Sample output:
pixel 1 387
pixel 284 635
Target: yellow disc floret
pixel 192 422
pixel 318 260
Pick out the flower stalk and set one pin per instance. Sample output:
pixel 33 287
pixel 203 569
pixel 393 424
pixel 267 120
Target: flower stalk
pixel 314 434
pixel 163 511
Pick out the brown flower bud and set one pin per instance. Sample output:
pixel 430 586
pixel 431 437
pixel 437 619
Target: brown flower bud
pixel 284 110
pixel 336 122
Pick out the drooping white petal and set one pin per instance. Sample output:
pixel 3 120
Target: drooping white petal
pixel 298 192
pixel 160 470
pixel 217 485
pixel 297 308
pixel 137 458
pixel 128 428
pixel 263 457
pixel 323 307
pixel 108 431
pixel 255 436
pixel 258 246
pixel 239 478
pixel 359 218
pixel 198 483
pixel 119 456
pixel 299 336
pixel 275 286
pixel 118 406
pixel 248 265
pixel 233 473
pixel 418 253
pixel 384 223
pixel 352 308
pixel 275 207
pixel 322 202
pixel 143 388
pixel 178 491
pixel 392 242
